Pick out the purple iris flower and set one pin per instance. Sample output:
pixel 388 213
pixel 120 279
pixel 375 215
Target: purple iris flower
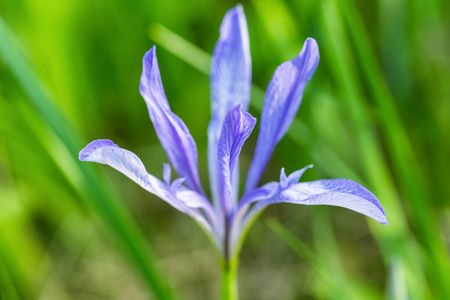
pixel 226 216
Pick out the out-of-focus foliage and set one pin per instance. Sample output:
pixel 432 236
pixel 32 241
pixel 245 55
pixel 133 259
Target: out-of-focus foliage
pixel 377 111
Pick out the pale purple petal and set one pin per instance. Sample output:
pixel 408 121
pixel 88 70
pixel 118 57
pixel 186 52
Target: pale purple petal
pixel 267 191
pixel 230 81
pixel 295 176
pixel 270 189
pixel 195 200
pixel 336 192
pixel 176 184
pixel 241 218
pixel 126 162
pixel 173 134
pixel 94 145
pixel 167 174
pixel 236 128
pixel 283 179
pixel 281 103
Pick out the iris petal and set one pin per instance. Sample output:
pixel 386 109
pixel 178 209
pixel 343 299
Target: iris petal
pixel 126 162
pixel 167 173
pixel 173 134
pixel 230 81
pixel 335 192
pixel 281 103
pixel 236 128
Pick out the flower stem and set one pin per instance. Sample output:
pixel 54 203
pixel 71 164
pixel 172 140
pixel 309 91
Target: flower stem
pixel 228 283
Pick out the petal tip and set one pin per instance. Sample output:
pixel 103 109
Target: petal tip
pixel 310 51
pixel 311 42
pixel 92 146
pixel 312 45
pixel 234 21
pixel 239 9
pixel 283 179
pixel 150 78
pixel 149 56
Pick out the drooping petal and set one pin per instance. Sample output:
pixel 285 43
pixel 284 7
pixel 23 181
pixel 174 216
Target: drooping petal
pixel 236 128
pixel 230 81
pixel 94 145
pixel 126 162
pixel 281 103
pixel 173 134
pixel 336 192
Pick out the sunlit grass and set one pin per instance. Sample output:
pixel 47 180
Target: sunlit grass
pixel 376 111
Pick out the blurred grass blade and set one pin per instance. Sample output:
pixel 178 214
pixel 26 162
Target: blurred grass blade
pixel 97 196
pixel 395 53
pixel 390 122
pixel 279 26
pixel 339 287
pixel 396 282
pixel 377 175
pixel 406 165
pixel 7 288
pixel 326 247
pixel 295 243
pixel 184 50
pixel 395 239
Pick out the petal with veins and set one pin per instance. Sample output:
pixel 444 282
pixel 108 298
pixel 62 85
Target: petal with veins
pixel 335 192
pixel 281 103
pixel 126 162
pixel 231 74
pixel 173 134
pixel 235 130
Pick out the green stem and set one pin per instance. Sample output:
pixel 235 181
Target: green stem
pixel 228 282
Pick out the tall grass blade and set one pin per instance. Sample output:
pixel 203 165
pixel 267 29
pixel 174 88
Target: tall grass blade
pixel 396 282
pixel 280 27
pixel 406 165
pixel 96 194
pixel 394 239
pixel 332 278
pixel 7 288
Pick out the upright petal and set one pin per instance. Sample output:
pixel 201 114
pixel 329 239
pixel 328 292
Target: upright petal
pixel 173 134
pixel 235 130
pixel 230 80
pixel 281 103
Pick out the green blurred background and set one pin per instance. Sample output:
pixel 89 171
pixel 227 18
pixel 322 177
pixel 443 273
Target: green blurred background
pixel 377 111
